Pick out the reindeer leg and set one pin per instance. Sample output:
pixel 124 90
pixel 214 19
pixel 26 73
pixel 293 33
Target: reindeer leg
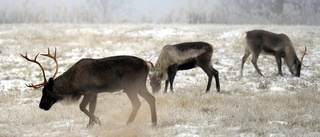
pixel 86 99
pixel 209 81
pixel 166 85
pixel 278 59
pixel 244 58
pixel 172 71
pixel 254 62
pixel 151 101
pixel 216 77
pixel 207 69
pixel 133 96
pixel 92 108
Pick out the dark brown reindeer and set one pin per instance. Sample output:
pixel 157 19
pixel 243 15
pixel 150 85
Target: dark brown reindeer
pixel 88 77
pixel 183 56
pixel 278 45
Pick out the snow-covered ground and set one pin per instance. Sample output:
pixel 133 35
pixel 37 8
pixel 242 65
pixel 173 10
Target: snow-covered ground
pixel 247 106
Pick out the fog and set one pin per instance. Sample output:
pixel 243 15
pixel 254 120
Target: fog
pixel 286 12
pixel 246 106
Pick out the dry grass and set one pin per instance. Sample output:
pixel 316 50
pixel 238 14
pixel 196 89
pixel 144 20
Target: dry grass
pixel 248 106
pixel 228 114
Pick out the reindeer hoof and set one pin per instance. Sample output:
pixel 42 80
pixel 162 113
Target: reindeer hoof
pixel 97 121
pixel 93 121
pixel 89 125
pixel 128 123
pixel 154 124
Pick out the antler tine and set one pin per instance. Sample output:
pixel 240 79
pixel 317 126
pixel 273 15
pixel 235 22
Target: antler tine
pixel 54 57
pixel 27 58
pixel 49 54
pixel 35 86
pixel 305 52
pixel 35 61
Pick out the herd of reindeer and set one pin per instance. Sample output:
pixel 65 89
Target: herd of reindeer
pixel 88 77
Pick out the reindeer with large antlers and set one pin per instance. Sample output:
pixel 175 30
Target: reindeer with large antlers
pixel 278 45
pixel 88 77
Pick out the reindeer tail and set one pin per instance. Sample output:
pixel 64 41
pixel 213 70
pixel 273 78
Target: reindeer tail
pixel 150 66
pixel 242 38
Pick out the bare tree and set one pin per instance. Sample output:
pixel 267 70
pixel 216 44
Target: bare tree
pixel 110 10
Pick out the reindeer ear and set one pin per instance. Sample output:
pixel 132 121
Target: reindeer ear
pixel 50 84
pixel 156 71
pixel 153 73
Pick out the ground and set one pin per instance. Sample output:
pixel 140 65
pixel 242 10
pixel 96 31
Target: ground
pixel 250 105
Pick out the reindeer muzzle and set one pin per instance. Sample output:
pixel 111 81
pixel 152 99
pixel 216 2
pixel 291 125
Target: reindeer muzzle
pixel 45 107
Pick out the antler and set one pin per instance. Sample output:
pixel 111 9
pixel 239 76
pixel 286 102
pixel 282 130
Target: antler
pixel 44 76
pixel 54 58
pixel 305 52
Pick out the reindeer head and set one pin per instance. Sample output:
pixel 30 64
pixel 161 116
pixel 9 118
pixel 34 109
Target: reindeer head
pixel 295 66
pixel 48 96
pixel 155 81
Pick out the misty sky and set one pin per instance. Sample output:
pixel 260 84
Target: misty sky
pixel 161 11
pixel 156 8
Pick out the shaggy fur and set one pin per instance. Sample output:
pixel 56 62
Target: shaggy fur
pixel 179 54
pixel 88 77
pixel 183 56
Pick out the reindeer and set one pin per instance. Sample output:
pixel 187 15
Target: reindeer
pixel 278 45
pixel 183 56
pixel 88 77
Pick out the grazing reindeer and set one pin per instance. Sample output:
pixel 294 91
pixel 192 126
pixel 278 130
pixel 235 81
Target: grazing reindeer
pixel 183 56
pixel 278 45
pixel 88 77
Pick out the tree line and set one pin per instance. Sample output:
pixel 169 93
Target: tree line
pixel 196 12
